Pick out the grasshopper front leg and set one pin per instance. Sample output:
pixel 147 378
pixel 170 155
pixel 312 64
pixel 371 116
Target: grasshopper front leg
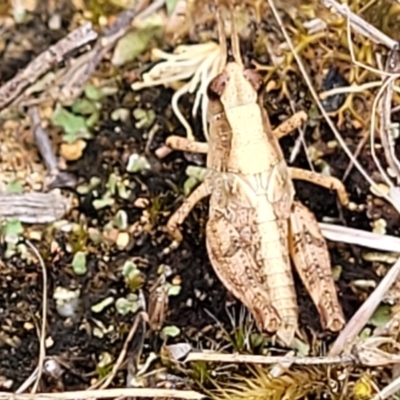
pixel 310 256
pixel 179 216
pixel 184 144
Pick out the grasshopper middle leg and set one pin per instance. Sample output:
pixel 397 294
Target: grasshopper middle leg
pixel 202 191
pixel 328 182
pixel 292 123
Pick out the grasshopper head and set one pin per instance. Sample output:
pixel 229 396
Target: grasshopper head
pixel 235 86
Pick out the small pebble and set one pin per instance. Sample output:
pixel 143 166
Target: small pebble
pixel 49 342
pixel 141 202
pixel 123 240
pixel 55 22
pixel 73 151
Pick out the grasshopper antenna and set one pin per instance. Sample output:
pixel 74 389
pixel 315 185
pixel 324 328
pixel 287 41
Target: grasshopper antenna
pixel 235 37
pixel 222 37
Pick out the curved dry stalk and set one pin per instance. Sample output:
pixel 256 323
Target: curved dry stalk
pixel 353 89
pixel 388 391
pixel 360 25
pixel 372 134
pixel 42 341
pixel 121 357
pixel 199 64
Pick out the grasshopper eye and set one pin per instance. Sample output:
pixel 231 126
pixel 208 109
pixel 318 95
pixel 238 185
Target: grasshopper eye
pixel 217 85
pixel 254 78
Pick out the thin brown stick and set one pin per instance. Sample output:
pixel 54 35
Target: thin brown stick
pixel 45 61
pixel 106 394
pixel 121 357
pixel 58 178
pixel 42 141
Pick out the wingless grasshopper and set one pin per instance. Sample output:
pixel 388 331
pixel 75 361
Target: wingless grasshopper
pixel 255 226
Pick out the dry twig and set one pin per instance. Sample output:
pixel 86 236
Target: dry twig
pixel 106 42
pixel 57 178
pixel 46 61
pixel 34 207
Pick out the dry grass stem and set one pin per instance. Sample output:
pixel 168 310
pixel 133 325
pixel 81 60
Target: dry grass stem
pixel 329 121
pixel 364 313
pixel 372 240
pixel 268 360
pixel 106 394
pixel 121 357
pixel 42 339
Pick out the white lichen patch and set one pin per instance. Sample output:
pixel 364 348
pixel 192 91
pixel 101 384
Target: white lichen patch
pixel 196 63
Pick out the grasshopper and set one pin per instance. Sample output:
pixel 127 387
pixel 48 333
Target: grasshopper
pixel 255 227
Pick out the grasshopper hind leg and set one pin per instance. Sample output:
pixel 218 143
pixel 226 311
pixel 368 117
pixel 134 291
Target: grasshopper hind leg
pixel 235 267
pixel 311 258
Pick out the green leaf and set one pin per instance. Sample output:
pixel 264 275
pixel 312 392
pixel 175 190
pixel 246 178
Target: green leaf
pixel 12 227
pixel 15 187
pixel 137 163
pixel 120 220
pixel 127 305
pixel 173 290
pixel 381 316
pixel 129 269
pixel 171 5
pixel 74 126
pixel 83 107
pixel 303 349
pixel 112 182
pixel 79 263
pixel 145 118
pixel 189 185
pixel 196 172
pixel 93 119
pixel 132 45
pixel 99 307
pixel 123 191
pixel 171 331
pixel 93 93
pixel 98 204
